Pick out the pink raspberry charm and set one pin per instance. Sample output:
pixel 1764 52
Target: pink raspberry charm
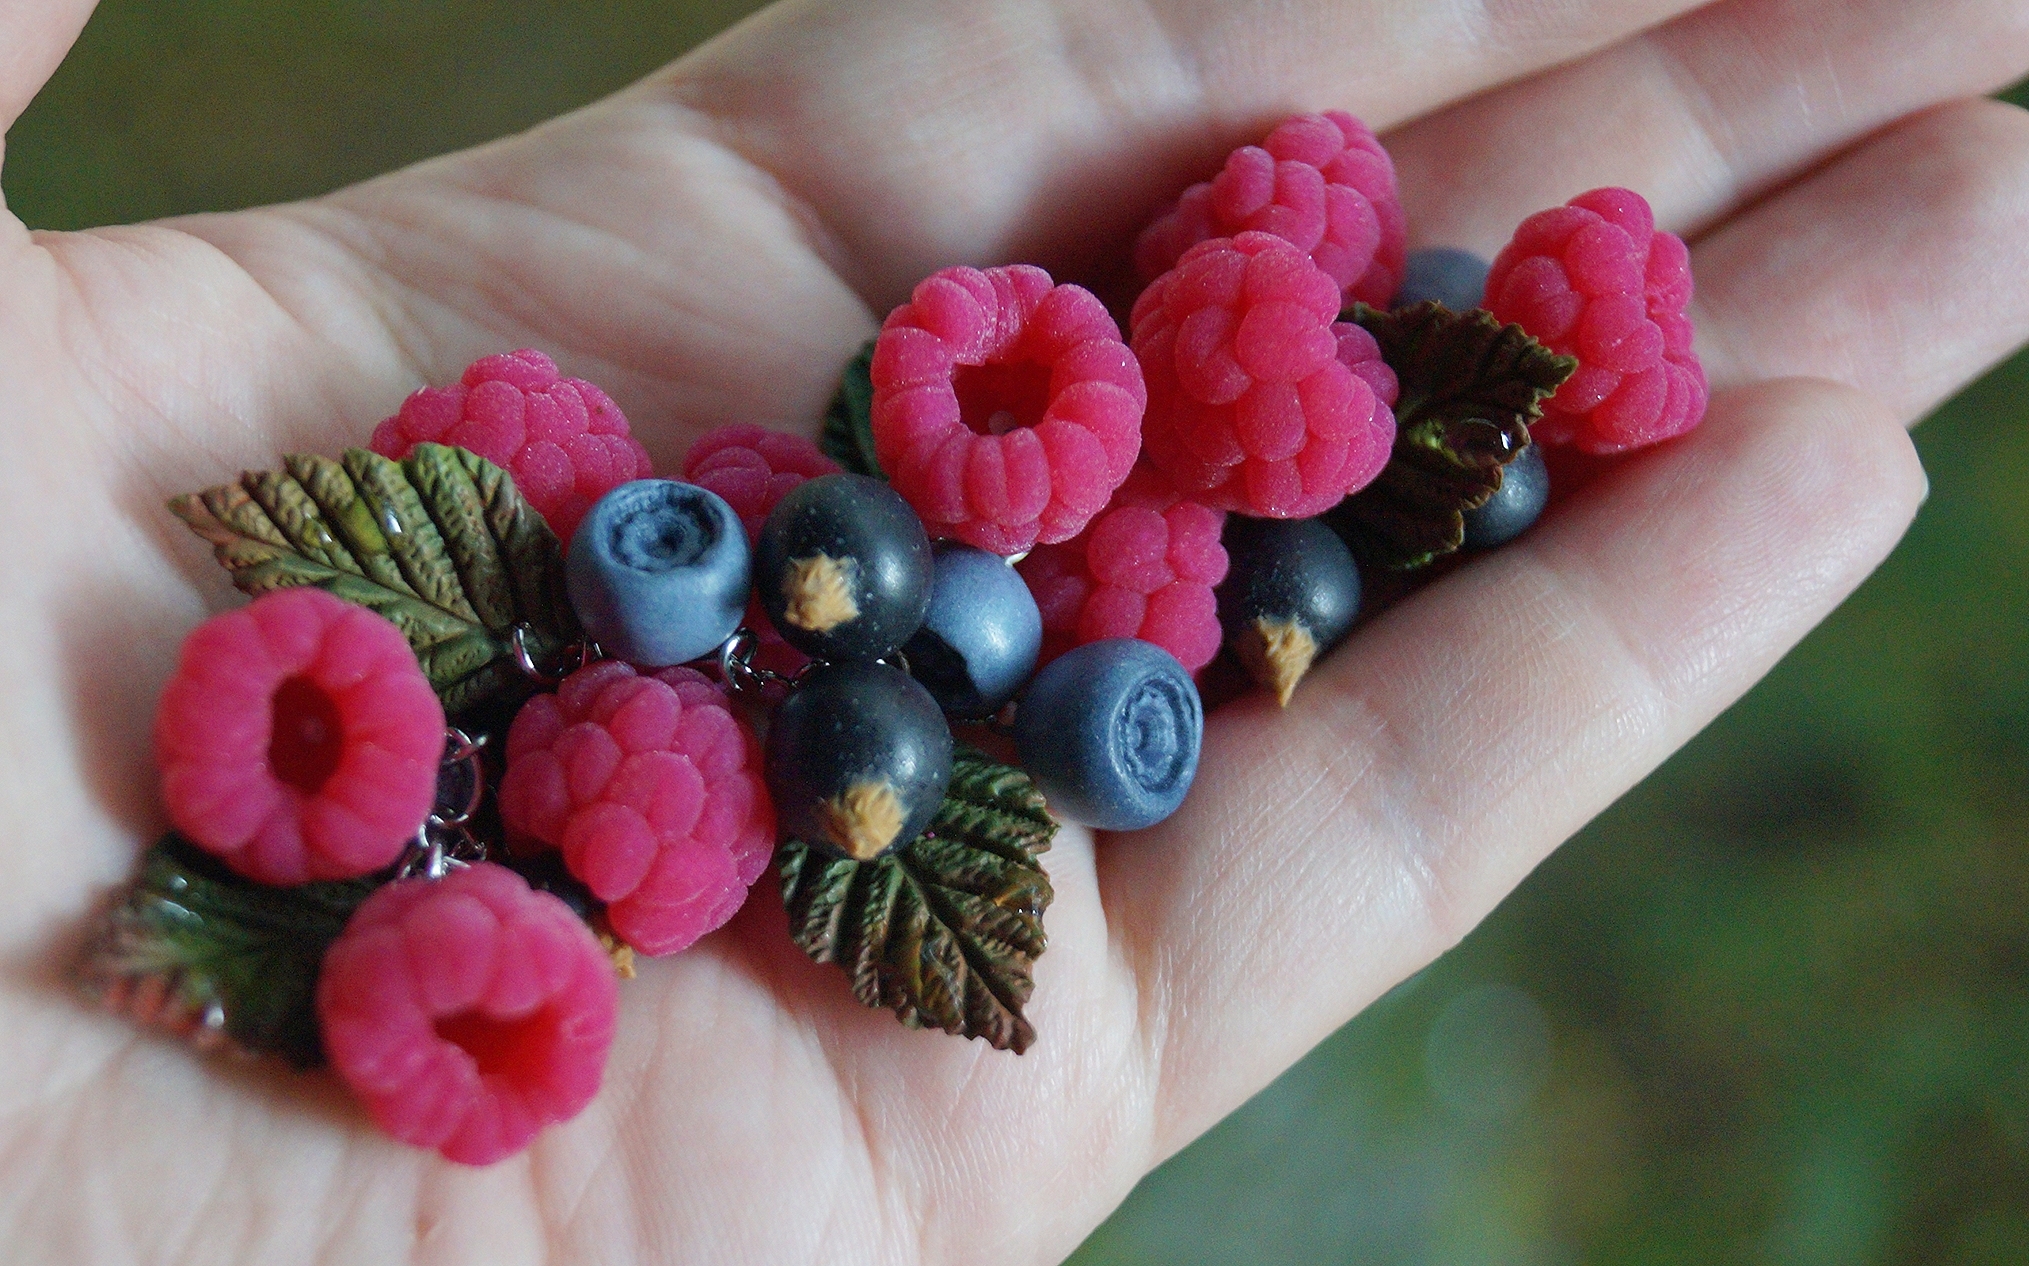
pixel 565 442
pixel 1145 569
pixel 753 468
pixel 1321 182
pixel 1596 280
pixel 652 790
pixel 467 1012
pixel 1006 409
pixel 299 739
pixel 1259 399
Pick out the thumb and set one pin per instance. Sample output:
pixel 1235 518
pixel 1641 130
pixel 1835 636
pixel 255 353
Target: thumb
pixel 34 36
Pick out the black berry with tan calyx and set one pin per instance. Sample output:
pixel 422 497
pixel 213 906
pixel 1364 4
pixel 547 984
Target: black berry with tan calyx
pixel 1290 594
pixel 843 568
pixel 859 756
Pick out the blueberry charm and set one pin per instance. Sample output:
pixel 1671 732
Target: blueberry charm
pixel 842 567
pixel 1457 279
pixel 658 572
pixel 1524 491
pixel 858 760
pixel 982 634
pixel 1290 594
pixel 1110 731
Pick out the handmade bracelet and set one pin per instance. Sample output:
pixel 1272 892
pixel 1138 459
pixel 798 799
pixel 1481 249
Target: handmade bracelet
pixel 507 710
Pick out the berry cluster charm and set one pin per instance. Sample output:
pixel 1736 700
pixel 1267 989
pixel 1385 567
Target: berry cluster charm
pixel 488 729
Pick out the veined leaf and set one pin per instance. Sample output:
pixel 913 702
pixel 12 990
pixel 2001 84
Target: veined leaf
pixel 440 543
pixel 946 929
pixel 848 436
pixel 1470 388
pixel 198 949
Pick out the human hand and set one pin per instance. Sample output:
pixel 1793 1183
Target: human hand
pixel 710 246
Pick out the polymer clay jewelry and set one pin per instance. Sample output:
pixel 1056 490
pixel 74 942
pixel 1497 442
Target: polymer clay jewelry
pixel 507 710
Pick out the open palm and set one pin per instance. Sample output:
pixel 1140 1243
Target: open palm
pixel 710 246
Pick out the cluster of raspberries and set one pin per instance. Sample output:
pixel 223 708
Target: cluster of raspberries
pixel 1010 411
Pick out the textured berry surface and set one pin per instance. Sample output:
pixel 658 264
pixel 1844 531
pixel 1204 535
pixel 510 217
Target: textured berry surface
pixel 652 790
pixel 1596 280
pixel 1321 182
pixel 564 441
pixel 658 572
pixel 1006 409
pixel 843 568
pixel 1141 571
pixel 299 739
pixel 467 1012
pixel 1259 399
pixel 1515 505
pixel 1457 279
pixel 981 636
pixel 1111 732
pixel 859 757
pixel 753 468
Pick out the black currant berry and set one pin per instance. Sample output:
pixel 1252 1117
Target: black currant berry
pixel 1524 491
pixel 858 759
pixel 843 568
pixel 1290 594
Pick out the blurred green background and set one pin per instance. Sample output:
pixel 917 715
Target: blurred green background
pixel 1773 1007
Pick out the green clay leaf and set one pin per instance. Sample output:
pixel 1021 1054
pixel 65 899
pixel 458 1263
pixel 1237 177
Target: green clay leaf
pixel 946 929
pixel 848 436
pixel 440 543
pixel 197 949
pixel 1470 388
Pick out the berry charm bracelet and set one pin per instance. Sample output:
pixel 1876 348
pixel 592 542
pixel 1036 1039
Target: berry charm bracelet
pixel 507 710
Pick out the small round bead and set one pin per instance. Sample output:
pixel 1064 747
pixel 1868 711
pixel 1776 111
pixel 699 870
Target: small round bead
pixel 1110 731
pixel 843 568
pixel 982 634
pixel 1457 279
pixel 1524 491
pixel 858 760
pixel 1290 595
pixel 658 572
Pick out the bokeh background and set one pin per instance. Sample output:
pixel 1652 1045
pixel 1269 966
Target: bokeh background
pixel 1773 1007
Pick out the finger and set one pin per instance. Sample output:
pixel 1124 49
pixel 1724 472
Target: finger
pixel 34 36
pixel 1702 114
pixel 921 133
pixel 1896 269
pixel 1329 850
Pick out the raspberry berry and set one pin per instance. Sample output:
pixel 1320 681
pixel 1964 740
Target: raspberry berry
pixel 564 441
pixel 652 790
pixel 467 1012
pixel 1142 572
pixel 753 468
pixel 1260 399
pixel 1596 280
pixel 1321 182
pixel 1006 409
pixel 299 739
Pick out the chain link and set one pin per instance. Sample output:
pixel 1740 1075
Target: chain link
pixel 584 651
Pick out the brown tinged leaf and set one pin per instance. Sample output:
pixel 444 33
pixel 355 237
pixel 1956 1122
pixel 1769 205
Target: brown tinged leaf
pixel 1470 388
pixel 945 930
pixel 440 543
pixel 209 955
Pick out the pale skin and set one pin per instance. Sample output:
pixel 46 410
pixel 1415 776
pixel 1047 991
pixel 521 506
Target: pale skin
pixel 710 245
